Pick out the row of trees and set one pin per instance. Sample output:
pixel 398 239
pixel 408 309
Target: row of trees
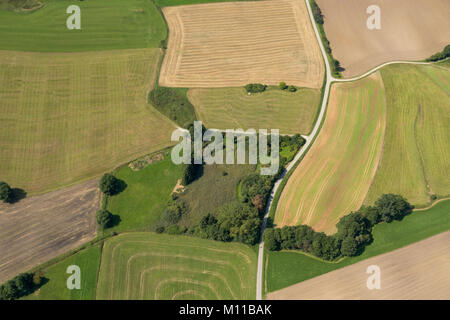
pixel 318 17
pixel 21 285
pixel 354 230
pixel 440 55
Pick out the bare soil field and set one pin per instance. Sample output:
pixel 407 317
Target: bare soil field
pixel 40 228
pixel 410 30
pixel 417 271
pixel 235 43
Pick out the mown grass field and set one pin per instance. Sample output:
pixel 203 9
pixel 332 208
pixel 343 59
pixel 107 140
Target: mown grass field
pixel 287 268
pixel 152 266
pixel 416 151
pixel 229 108
pixel 71 117
pixel 335 175
pixel 56 288
pixel 105 25
pixel 146 195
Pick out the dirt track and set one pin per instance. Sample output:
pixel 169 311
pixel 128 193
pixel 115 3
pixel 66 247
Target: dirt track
pixel 40 228
pixel 417 271
pixel 410 30
pixel 235 43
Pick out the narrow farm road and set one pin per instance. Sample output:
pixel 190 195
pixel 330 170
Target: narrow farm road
pixel 309 140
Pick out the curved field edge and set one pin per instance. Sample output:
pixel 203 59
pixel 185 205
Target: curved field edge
pixel 417 142
pixel 288 268
pixel 354 123
pixel 153 266
pixel 290 112
pixel 230 61
pixel 416 271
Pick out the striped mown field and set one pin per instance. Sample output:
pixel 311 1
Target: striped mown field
pixel 416 152
pixel 159 266
pixel 236 43
pixel 228 108
pixel 70 117
pixel 336 173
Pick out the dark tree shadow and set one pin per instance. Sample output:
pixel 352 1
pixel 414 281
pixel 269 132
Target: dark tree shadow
pixel 17 194
pixel 115 221
pixel 120 187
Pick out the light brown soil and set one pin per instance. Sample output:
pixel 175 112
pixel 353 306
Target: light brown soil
pixel 40 228
pixel 236 43
pixel 418 271
pixel 410 30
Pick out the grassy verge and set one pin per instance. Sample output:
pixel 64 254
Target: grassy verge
pixel 288 268
pixel 55 287
pixel 146 195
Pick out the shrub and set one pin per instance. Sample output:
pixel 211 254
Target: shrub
pixel 109 184
pixel 440 55
pixel 104 218
pixel 175 230
pixel 292 88
pixel 5 192
pixel 160 229
pixel 255 87
pixel 392 207
pixel 282 85
pixel 317 13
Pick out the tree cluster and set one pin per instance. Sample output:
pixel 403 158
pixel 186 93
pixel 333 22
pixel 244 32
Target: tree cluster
pixel 21 285
pixel 440 55
pixel 234 222
pixel 255 87
pixel 284 86
pixel 354 230
pixel 104 218
pixel 109 184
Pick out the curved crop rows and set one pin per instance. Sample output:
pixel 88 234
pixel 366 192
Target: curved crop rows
pixel 335 175
pixel 152 266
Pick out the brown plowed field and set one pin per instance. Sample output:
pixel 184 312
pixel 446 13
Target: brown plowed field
pixel 410 30
pixel 417 271
pixel 40 228
pixel 236 43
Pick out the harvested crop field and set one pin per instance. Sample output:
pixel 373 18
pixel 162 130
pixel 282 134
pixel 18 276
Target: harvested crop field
pixel 336 173
pixel 228 108
pixel 69 117
pixel 159 266
pixel 410 30
pixel 236 43
pixel 416 151
pixel 35 230
pixel 418 271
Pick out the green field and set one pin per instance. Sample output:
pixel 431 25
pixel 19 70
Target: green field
pixel 287 268
pixel 335 175
pixel 230 108
pixel 152 266
pixel 71 117
pixel 416 151
pixel 105 25
pixel 212 190
pixel 146 195
pixel 56 288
